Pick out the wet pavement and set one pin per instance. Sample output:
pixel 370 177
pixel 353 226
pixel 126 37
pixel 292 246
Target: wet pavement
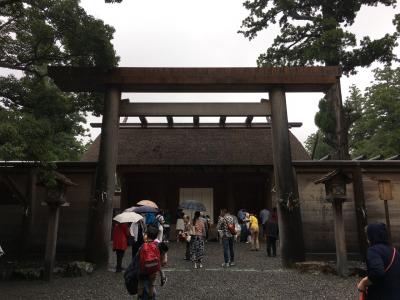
pixel 255 276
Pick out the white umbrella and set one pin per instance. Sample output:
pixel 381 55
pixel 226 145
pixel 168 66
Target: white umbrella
pixel 128 217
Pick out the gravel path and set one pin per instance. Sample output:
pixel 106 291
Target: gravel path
pixel 254 277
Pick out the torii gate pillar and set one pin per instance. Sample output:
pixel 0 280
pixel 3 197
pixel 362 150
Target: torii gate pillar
pixel 290 225
pixel 102 204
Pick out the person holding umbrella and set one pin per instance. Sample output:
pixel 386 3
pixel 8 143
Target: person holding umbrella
pixel 121 234
pixel 120 243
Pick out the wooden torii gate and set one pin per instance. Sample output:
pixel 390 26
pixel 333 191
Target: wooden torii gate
pixel 275 81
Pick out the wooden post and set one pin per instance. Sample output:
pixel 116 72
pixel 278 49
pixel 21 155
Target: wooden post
pixel 340 238
pixel 290 225
pixel 361 212
pixel 334 97
pixel 29 214
pixel 51 242
pixel 389 229
pixel 101 210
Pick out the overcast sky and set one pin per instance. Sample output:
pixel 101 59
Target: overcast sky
pixel 192 33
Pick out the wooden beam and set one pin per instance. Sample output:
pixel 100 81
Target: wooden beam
pixel 290 224
pixel 194 80
pixel 248 121
pixel 394 157
pixel 222 124
pixel 143 121
pixel 101 206
pixel 196 121
pixel 361 157
pixel 222 121
pixel 326 157
pixel 198 109
pixel 378 157
pixel 170 121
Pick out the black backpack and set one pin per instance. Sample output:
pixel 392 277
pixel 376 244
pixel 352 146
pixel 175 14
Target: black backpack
pixel 131 275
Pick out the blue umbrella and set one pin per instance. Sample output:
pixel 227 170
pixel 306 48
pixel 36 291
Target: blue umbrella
pixel 142 209
pixel 193 205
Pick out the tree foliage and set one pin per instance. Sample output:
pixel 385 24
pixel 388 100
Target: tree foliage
pixel 378 130
pixel 317 146
pixel 314 32
pixel 372 119
pixel 38 121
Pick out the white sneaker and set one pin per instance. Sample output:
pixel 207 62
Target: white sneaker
pixel 200 266
pixel 231 264
pixel 225 265
pixel 195 265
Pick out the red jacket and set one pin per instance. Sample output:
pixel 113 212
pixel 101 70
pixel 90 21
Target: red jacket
pixel 120 236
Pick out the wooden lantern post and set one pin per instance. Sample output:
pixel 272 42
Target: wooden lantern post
pixel 56 197
pixel 385 194
pixel 335 189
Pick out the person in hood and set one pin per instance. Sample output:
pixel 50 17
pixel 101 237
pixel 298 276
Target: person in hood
pixel 383 266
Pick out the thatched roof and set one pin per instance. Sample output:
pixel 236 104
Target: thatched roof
pixel 196 147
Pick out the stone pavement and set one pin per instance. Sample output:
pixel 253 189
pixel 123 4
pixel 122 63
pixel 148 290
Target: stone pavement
pixel 255 276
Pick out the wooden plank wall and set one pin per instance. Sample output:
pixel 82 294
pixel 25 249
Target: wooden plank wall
pixel 375 206
pixel 11 217
pixel 317 216
pixel 74 219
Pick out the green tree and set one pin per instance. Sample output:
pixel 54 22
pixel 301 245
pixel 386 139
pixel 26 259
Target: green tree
pixel 317 146
pixel 352 110
pixel 378 130
pixel 38 121
pixel 314 32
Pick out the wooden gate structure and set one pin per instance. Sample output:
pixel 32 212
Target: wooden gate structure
pixel 275 81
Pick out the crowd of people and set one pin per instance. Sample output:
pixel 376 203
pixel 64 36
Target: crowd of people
pixel 149 237
pixel 244 227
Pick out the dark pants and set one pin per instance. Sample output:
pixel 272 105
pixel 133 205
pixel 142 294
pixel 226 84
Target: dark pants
pixel 244 232
pixel 187 253
pixel 229 255
pixel 166 232
pixel 120 256
pixel 271 245
pixel 135 248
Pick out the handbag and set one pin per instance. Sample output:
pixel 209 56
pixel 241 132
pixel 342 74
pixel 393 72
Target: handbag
pixel 231 228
